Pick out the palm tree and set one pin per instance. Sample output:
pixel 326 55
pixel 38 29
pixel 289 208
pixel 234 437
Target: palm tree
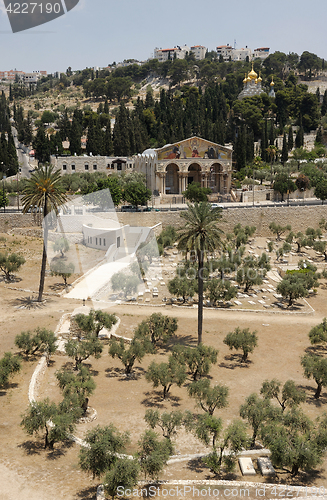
pixel 44 191
pixel 200 235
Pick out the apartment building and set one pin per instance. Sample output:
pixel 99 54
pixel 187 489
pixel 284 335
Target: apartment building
pixel 229 53
pixel 179 52
pixel 261 53
pixel 22 76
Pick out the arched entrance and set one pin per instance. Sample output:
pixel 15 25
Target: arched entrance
pixel 194 173
pixel 215 181
pixel 172 179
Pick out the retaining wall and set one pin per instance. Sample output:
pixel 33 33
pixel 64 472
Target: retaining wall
pixel 9 221
pixel 299 217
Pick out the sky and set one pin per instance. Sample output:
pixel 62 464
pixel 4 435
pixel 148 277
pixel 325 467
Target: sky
pixel 98 32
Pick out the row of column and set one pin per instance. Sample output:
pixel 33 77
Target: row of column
pixel 182 182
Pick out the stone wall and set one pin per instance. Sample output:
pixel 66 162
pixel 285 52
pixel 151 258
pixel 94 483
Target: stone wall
pixel 9 221
pixel 299 217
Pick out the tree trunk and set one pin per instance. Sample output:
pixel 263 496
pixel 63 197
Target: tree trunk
pixel 244 357
pixel 44 254
pixel 295 470
pixel 254 436
pixel 318 391
pixel 46 442
pixel 200 294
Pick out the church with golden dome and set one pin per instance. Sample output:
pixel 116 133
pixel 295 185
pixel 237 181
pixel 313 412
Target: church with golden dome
pixel 252 85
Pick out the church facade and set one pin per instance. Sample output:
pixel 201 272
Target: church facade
pixel 170 169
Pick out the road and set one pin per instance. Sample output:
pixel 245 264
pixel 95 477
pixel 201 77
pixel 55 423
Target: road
pixel 23 159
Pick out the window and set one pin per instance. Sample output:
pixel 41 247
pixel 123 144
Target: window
pixel 91 240
pixel 108 165
pixel 86 167
pixel 96 241
pixel 112 166
pixel 100 242
pixel 95 167
pixel 104 242
pixel 118 166
pixel 64 167
pixel 73 167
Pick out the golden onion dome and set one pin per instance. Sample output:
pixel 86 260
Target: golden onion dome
pixel 272 83
pixel 253 75
pixel 259 80
pixel 245 79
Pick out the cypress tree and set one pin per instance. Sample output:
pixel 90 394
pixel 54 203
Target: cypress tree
pixel 121 136
pixel 284 157
pixel 299 138
pixel 75 137
pixel 106 107
pixel 42 146
pixel 264 144
pixel 323 109
pixel 249 145
pixel 290 143
pixel 90 139
pixel 318 94
pixel 64 125
pixel 271 133
pixel 319 139
pixel 240 148
pixel 107 143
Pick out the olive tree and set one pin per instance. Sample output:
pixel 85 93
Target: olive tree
pixel 10 263
pixel 208 398
pixel 129 353
pixel 315 367
pixel 166 374
pixel 198 359
pixel 103 446
pixel 9 364
pixel 157 328
pixel 242 339
pixel 288 396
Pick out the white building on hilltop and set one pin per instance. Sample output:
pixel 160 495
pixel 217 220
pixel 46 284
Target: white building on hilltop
pixel 230 53
pixel 179 52
pixel 261 53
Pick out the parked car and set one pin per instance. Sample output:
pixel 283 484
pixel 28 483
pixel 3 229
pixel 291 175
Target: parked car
pixel 130 208
pixel 35 209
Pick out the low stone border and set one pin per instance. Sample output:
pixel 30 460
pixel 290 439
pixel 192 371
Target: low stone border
pixel 31 291
pixel 296 490
pixel 257 311
pixel 93 416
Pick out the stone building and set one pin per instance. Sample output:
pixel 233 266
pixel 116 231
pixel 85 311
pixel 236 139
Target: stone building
pixel 86 163
pixel 170 169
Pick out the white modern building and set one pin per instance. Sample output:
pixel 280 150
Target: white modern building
pixel 225 51
pixel 199 52
pixel 230 53
pixel 179 52
pixel 261 53
pixel 242 54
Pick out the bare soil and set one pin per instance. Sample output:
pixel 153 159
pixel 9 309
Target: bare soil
pixel 28 471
